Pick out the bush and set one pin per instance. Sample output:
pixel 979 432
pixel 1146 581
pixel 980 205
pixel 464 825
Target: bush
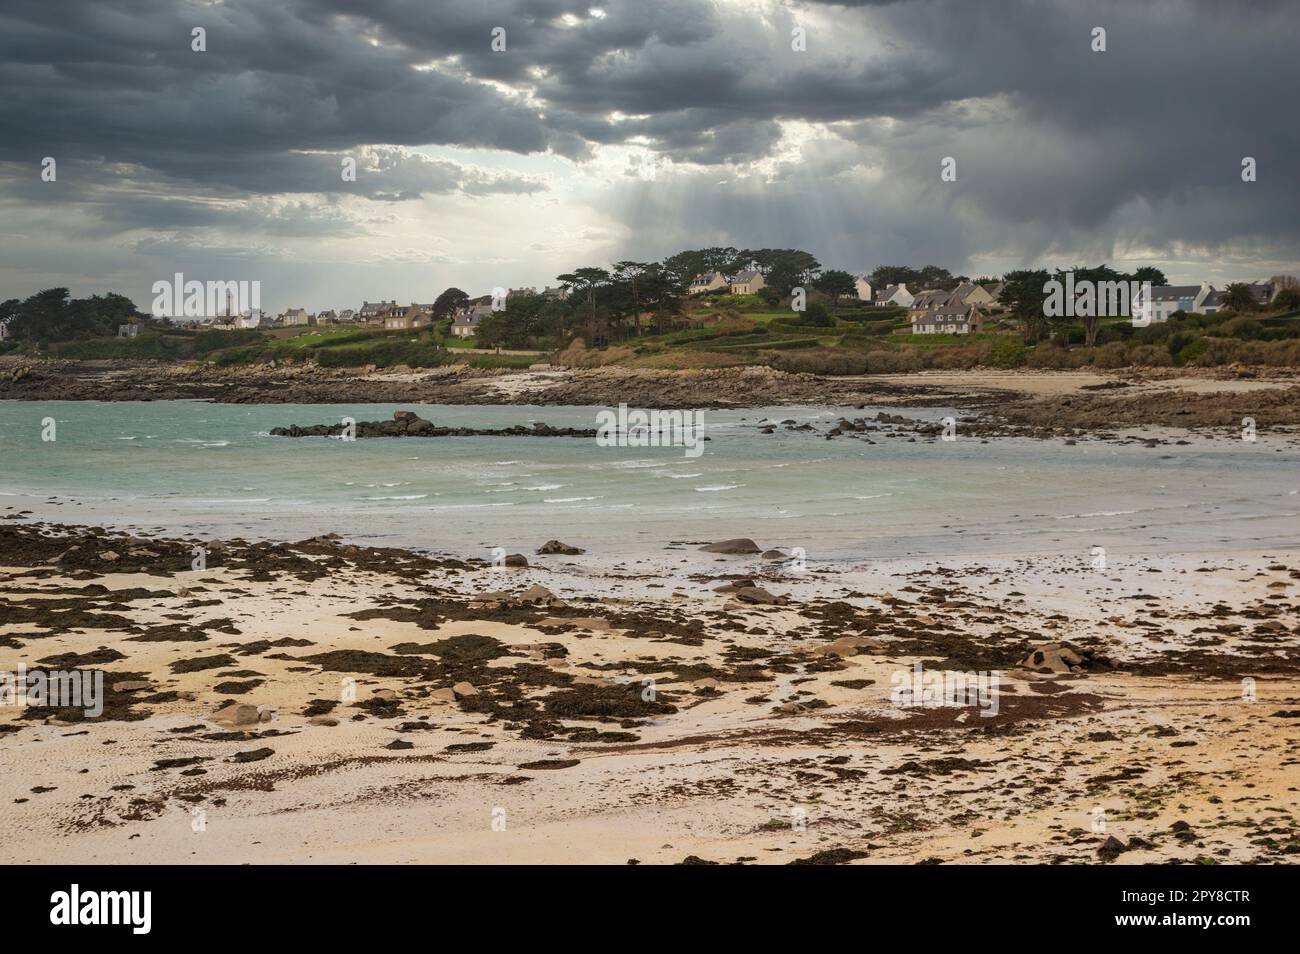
pixel 1048 354
pixel 1243 327
pixel 1007 353
pixel 1150 356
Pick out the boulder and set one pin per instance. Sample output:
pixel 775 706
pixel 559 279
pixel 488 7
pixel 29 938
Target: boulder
pixel 555 546
pixel 756 594
pixel 443 695
pixel 537 594
pixel 235 714
pixel 517 560
pixel 130 685
pixel 464 690
pixel 738 546
pixel 1063 657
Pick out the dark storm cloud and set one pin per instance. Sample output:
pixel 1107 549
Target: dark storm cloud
pixel 1054 143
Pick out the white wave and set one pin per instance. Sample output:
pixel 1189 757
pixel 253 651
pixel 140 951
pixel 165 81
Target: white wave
pixel 569 499
pixel 706 490
pixel 397 497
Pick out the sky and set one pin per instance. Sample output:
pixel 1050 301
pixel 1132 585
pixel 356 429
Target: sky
pixel 634 129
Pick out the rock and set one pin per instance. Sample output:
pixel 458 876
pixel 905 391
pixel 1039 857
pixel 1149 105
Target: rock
pixel 405 416
pixel 130 685
pixel 537 594
pixel 464 690
pixel 400 744
pixel 555 546
pixel 443 695
pixel 756 594
pixel 775 554
pixel 323 720
pixel 735 585
pixel 254 755
pixel 387 695
pixel 1063 657
pixel 738 546
pixel 516 560
pixel 109 556
pixel 233 714
pixel 1111 849
pixel 847 646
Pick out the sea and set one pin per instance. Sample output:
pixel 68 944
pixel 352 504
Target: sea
pixel 214 471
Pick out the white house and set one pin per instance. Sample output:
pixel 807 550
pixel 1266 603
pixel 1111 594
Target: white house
pixel 863 287
pixel 1167 299
pixel 895 295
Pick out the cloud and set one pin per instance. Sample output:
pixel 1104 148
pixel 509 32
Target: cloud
pixel 1060 150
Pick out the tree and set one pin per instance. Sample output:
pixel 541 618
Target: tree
pixel 1288 299
pixel 448 302
pixel 1023 296
pixel 1239 297
pixel 1149 273
pixel 585 281
pixel 836 283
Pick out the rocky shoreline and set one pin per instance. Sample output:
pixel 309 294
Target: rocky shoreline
pixel 410 424
pixel 990 405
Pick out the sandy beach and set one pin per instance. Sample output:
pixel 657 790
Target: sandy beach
pixel 321 702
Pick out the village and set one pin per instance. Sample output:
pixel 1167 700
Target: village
pixel 959 310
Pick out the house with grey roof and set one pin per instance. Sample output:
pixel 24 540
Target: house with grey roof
pixel 747 283
pixel 709 281
pixel 1167 299
pixel 469 318
pixel 895 295
pixel 947 319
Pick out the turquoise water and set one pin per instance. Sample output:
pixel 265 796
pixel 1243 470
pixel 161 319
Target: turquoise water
pixel 212 470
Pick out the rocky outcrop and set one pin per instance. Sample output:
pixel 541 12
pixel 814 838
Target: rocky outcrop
pixel 410 424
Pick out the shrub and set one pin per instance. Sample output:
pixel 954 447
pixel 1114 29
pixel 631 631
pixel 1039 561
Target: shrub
pixel 1007 353
pixel 1244 327
pixel 1048 354
pixel 1150 356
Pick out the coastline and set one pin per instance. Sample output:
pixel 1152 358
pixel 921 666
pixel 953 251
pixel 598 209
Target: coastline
pixel 994 403
pixel 768 716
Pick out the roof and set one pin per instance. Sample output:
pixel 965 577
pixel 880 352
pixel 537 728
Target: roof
pixel 707 278
pixel 744 277
pixel 953 313
pixel 930 297
pixel 1174 292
